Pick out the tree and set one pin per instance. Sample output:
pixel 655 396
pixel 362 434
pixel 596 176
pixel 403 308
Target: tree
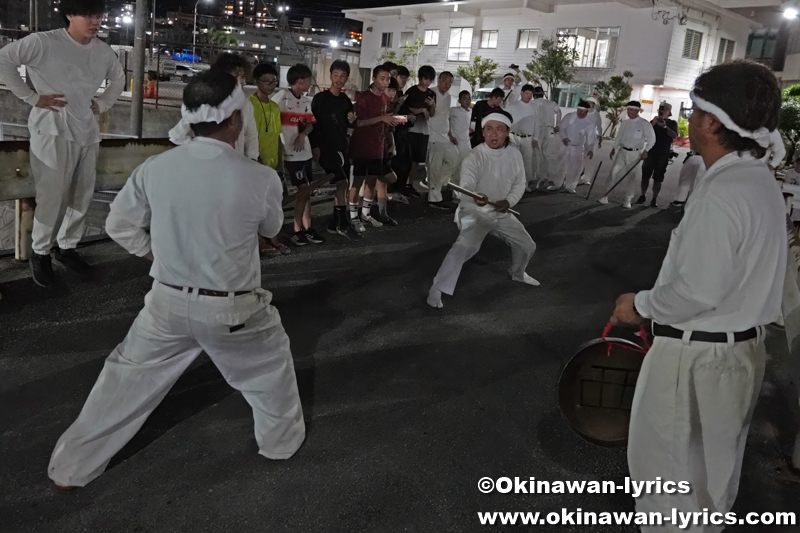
pixel 614 95
pixel 789 122
pixel 552 64
pixel 221 38
pixel 408 57
pixel 479 73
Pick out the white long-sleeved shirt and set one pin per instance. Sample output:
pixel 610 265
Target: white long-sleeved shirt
pixel 524 117
pixel 247 144
pixel 499 174
pixel 776 150
pixel 205 205
pixel 513 94
pixel 724 268
pixel 595 117
pixel 635 133
pixel 57 64
pixel 459 123
pixel 579 131
pixel 439 124
pixel 549 115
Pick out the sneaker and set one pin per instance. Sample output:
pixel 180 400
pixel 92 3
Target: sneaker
pixel 348 231
pixel 333 227
pixel 642 199
pixel 72 259
pixel 357 225
pixel 424 184
pixel 554 188
pixel 299 238
pixel 370 221
pixel 584 182
pixel 654 204
pixel 313 237
pixel 570 191
pixel 399 198
pixel 42 270
pixel 603 200
pixel 627 204
pixel 676 203
pixel 439 205
pixel 386 220
pixel 411 192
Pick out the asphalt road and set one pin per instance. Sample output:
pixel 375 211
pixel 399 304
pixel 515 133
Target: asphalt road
pixel 407 407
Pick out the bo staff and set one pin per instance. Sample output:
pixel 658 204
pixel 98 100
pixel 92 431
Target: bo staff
pixel 623 176
pixel 475 195
pixel 594 180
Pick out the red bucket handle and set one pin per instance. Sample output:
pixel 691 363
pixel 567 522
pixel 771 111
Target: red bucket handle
pixel 642 334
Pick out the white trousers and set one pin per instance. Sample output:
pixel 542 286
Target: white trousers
pixel 64 175
pixel 573 160
pixel 528 159
pixel 169 333
pixel 685 186
pixel 623 161
pixel 474 227
pixel 442 164
pixel 691 413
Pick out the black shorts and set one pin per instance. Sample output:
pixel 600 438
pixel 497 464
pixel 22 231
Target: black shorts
pixel 371 167
pixel 655 166
pixel 417 146
pixel 300 172
pixel 335 162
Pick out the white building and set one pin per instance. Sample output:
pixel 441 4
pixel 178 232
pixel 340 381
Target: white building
pixel 666 47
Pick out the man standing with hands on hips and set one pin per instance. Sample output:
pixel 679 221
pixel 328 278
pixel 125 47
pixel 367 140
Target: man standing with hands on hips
pixel 720 283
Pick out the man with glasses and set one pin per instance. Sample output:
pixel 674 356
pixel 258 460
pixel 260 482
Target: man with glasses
pixel 65 67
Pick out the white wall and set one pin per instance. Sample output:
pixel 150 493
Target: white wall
pixel 646 46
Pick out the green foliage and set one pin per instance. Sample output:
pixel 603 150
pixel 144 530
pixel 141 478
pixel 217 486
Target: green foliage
pixel 220 37
pixel 789 122
pixel 552 64
pixel 614 95
pixel 408 56
pixel 683 127
pixel 479 73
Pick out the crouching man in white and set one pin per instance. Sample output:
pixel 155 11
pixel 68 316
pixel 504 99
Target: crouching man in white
pixel 496 171
pixel 720 283
pixel 577 132
pixel 205 205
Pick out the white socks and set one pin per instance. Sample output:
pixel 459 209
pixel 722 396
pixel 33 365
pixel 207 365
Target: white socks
pixel 435 298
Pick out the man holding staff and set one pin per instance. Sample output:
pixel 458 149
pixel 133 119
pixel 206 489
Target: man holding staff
pixel 495 171
pixel 720 283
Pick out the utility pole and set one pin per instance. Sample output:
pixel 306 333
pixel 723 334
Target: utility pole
pixel 137 94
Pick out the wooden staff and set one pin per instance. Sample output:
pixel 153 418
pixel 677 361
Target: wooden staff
pixel 475 196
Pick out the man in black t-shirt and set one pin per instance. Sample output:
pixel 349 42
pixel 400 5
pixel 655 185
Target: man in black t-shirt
pixel 333 112
pixel 655 165
pixel 480 110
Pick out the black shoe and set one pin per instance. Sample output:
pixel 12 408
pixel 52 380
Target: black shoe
pixel 386 220
pixel 642 199
pixel 412 192
pixel 440 205
pixel 676 203
pixel 653 204
pixel 313 237
pixel 348 231
pixel 72 259
pixel 42 270
pixel 333 227
pixel 298 238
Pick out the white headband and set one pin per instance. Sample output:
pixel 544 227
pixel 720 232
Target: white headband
pixel 761 135
pixel 499 117
pixel 182 132
pixel 508 76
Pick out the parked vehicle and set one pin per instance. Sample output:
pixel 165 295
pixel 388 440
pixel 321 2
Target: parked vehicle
pixel 187 72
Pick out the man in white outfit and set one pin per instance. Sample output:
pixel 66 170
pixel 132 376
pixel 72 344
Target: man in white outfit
pixel 776 152
pixel 546 146
pixel 595 117
pixel 205 205
pixel 512 89
pixel 720 283
pixel 524 115
pixel 443 157
pixel 691 171
pixel 66 68
pixel 495 171
pixel 459 124
pixel 577 132
pixel 635 137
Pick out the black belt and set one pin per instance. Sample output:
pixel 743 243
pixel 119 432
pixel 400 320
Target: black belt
pixel 630 149
pixel 206 292
pixel 522 136
pixel 703 336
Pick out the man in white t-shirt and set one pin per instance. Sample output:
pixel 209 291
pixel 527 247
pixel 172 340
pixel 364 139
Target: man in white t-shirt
pixel 524 113
pixel 66 67
pixel 460 116
pixel 443 157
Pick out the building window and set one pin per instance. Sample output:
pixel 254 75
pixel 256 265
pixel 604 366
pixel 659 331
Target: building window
pixel 386 40
pixel 460 44
pixel 489 39
pixel 528 39
pixel 431 37
pixel 691 44
pixel 406 38
pixel 595 47
pixel 725 52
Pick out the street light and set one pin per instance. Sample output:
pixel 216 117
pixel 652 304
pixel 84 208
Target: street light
pixel 790 13
pixel 334 44
pixel 127 19
pixel 194 29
